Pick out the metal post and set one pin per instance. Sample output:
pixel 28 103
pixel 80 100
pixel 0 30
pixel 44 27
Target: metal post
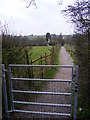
pixel 32 73
pixel 41 68
pixel 4 92
pixel 11 94
pixel 76 90
pixel 71 91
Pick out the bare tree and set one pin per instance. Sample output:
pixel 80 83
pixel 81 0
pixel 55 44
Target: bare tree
pixel 79 14
pixel 4 29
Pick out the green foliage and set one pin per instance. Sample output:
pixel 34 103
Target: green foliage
pixel 82 56
pixel 79 15
pixel 79 54
pixel 85 111
pixel 69 40
pixel 37 51
pixel 39 40
pixel 71 50
pixel 57 39
pixel 12 53
pixel 54 60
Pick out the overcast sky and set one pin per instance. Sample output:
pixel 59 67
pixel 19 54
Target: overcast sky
pixel 25 21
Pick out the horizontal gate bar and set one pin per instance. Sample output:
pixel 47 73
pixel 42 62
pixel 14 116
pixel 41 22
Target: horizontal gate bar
pixel 47 80
pixel 44 104
pixel 38 92
pixel 44 113
pixel 24 65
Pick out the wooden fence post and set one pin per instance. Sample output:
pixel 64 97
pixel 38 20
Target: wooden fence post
pixel 32 72
pixel 32 69
pixel 29 71
pixel 45 58
pixel 52 51
pixel 24 60
pixel 41 68
pixel 39 61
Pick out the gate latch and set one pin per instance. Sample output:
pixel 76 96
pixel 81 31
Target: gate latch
pixel 76 87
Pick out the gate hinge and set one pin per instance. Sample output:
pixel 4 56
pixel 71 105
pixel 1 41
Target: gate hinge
pixel 6 70
pixel 76 87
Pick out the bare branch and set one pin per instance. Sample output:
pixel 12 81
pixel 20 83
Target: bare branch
pixel 31 2
pixel 60 2
pixel 79 15
pixel 4 29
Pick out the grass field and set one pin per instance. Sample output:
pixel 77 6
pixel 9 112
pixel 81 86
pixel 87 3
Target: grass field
pixel 37 51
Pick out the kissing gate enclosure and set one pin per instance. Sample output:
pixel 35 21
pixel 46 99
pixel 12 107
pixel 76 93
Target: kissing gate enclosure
pixel 33 94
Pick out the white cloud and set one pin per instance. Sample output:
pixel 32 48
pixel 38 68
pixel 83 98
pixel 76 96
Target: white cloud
pixel 45 18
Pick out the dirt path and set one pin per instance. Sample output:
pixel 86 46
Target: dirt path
pixel 63 73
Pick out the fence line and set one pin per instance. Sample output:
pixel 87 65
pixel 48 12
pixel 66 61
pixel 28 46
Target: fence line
pixel 41 58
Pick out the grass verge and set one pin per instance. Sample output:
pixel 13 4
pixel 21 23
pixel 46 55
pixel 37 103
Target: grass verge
pixel 71 50
pixel 82 109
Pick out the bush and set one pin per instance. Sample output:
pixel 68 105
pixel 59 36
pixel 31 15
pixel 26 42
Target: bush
pixel 83 63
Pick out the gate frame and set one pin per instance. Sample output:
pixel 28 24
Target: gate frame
pixel 4 90
pixel 76 92
pixel 11 91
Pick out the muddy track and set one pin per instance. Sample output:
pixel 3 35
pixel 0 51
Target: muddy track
pixel 63 73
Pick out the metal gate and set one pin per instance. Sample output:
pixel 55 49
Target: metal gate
pixel 74 86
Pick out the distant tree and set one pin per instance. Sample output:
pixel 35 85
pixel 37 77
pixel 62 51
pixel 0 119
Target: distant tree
pixel 4 29
pixel 61 41
pixel 61 37
pixel 48 37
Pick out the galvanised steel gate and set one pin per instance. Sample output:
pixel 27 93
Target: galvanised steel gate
pixel 74 85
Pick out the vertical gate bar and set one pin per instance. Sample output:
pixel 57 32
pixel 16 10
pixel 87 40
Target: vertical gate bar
pixel 72 91
pixel 11 94
pixel 4 92
pixel 76 90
